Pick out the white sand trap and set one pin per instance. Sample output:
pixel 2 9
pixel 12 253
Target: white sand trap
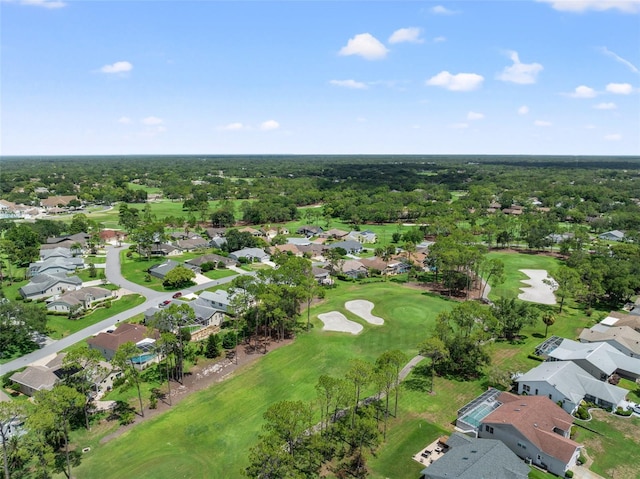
pixel 538 291
pixel 363 308
pixel 336 321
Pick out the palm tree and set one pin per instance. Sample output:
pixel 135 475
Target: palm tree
pixel 548 319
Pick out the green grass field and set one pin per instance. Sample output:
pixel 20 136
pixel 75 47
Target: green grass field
pixel 209 433
pixel 513 262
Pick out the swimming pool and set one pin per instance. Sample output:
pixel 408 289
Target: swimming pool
pixel 143 358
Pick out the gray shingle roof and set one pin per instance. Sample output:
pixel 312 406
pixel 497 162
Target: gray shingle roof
pixel 470 458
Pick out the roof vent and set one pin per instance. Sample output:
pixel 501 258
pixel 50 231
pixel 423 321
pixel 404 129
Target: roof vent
pixel 535 424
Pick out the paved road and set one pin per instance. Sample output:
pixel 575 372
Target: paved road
pixel 112 271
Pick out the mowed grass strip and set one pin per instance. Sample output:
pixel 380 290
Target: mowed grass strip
pixel 209 434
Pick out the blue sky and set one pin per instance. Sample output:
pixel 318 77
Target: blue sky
pixel 331 77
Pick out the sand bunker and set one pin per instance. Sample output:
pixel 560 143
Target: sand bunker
pixel 336 321
pixel 363 308
pixel 538 291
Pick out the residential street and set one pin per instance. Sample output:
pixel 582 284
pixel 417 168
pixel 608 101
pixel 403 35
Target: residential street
pixel 112 271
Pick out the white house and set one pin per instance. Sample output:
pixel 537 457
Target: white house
pixel 45 285
pixel 599 359
pixel 566 383
pixel 614 235
pixel 251 255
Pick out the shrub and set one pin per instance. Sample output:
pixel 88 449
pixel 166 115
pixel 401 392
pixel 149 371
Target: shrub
pixel 229 340
pixel 153 401
pixel 568 474
pixel 582 413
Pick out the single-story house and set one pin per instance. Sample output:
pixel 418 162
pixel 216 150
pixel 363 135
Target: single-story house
pixel 624 338
pixel 566 383
pixel 334 233
pixel 252 231
pixel 83 298
pixel 309 230
pixel 350 246
pixel 535 429
pixel 472 458
pixel 205 314
pixel 558 238
pixel 164 249
pixel 67 241
pixel 391 267
pixel 213 232
pixel 313 251
pixel 39 378
pixel 322 276
pixel 109 342
pixel 45 285
pixel 354 269
pixel 161 270
pixel 218 242
pixel 56 265
pixel 219 299
pixel 212 258
pixel 286 248
pixel 251 255
pixel 616 319
pixel 366 236
pixel 57 201
pixel 191 244
pixel 599 359
pixel 614 235
pixel 57 252
pixel 112 237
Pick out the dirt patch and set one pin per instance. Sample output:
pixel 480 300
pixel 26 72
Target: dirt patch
pixel 202 376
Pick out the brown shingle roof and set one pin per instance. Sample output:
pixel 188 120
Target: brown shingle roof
pixel 535 417
pixel 124 333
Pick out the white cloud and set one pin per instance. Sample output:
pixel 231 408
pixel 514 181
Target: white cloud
pixel 365 45
pixel 50 4
pixel 406 35
pixel 590 127
pixel 125 120
pixel 269 125
pixel 619 88
pixel 439 39
pixel 232 127
pixel 152 120
pixel 542 123
pixel 618 58
pixel 627 6
pixel 356 85
pixel 583 91
pixel 522 73
pixel 440 10
pixel 472 115
pixel 459 126
pixel 117 67
pixel 613 137
pixel 605 106
pixel 523 110
pixel 458 82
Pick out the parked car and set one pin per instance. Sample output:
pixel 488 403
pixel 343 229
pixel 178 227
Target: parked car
pixel 164 304
pixel 177 295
